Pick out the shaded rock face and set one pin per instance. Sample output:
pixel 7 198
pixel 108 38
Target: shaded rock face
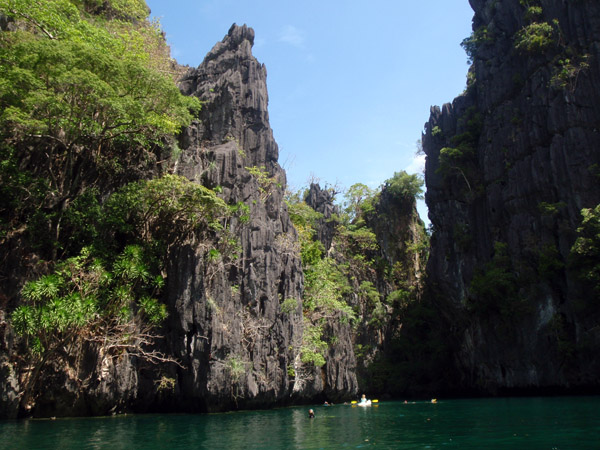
pixel 227 328
pixel 337 380
pixel 505 209
pixel 361 355
pixel 321 200
pixel 397 225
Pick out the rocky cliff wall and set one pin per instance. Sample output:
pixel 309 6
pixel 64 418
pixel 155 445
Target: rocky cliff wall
pixel 510 164
pixel 379 259
pixel 240 349
pixel 227 342
pixel 228 329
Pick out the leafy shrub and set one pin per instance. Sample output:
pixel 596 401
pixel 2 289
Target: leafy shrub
pixel 585 252
pixel 289 305
pixel 405 186
pixel 495 289
pixel 313 347
pixel 567 71
pixel 325 286
pixel 461 158
pixel 535 38
pixel 472 43
pixel 549 262
pixel 358 202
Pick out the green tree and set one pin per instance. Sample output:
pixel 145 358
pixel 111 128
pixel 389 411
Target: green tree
pixel 109 293
pixel 358 202
pixel 405 186
pixel 81 97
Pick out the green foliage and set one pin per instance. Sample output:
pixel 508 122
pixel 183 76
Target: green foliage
pixel 325 285
pixel 472 43
pixel 313 347
pixel 585 252
pixel 533 12
pixel 241 211
pixel 367 291
pixel 128 10
pixel 85 85
pixel 236 367
pixel 83 99
pixel 289 305
pixel 166 384
pixel 567 71
pixel 358 203
pixel 535 38
pixel 311 252
pixel 83 292
pixel 165 209
pixel 400 299
pixel 361 241
pixel 106 283
pixel 21 194
pixel 461 158
pixel 87 100
pixel 405 186
pixel 550 263
pixel 266 183
pixel 550 209
pixel 305 220
pixel 302 215
pixel 495 289
pixel 290 371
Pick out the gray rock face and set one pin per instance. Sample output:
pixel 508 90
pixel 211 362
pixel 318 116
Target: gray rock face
pixel 9 380
pixel 321 200
pixel 227 327
pixel 527 130
pixel 234 346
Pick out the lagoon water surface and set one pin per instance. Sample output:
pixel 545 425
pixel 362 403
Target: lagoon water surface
pixel 502 423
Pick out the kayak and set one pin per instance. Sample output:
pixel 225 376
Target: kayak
pixel 367 403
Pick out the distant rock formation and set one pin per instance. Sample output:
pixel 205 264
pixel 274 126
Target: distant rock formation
pixel 510 165
pixel 321 200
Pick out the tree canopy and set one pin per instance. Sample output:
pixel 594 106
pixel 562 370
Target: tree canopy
pixel 84 89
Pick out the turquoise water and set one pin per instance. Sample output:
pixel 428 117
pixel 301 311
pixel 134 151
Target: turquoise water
pixel 521 423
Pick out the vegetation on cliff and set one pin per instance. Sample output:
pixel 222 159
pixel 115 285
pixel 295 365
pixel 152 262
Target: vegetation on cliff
pixel 512 190
pixel 355 280
pixel 87 103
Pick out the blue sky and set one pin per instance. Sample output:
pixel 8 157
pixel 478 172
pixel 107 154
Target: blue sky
pixel 350 81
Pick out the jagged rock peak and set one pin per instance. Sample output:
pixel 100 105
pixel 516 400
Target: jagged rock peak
pixel 232 85
pixel 238 37
pixel 321 200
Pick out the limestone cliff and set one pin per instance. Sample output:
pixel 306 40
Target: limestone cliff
pixel 510 165
pixel 379 258
pixel 227 328
pixel 227 343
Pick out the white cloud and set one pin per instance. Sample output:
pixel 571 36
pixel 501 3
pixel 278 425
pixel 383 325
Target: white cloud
pixel 293 36
pixel 417 165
